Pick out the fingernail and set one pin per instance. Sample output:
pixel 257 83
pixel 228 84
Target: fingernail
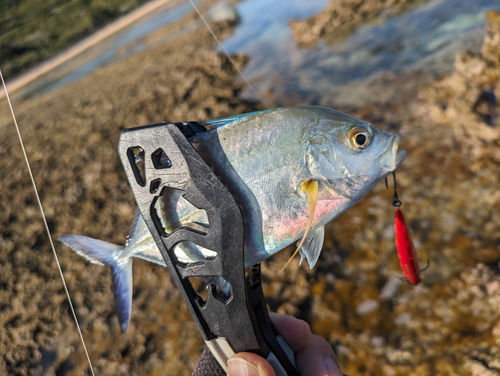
pixel 332 367
pixel 240 367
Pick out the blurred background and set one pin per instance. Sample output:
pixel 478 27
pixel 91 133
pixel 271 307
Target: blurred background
pixel 79 72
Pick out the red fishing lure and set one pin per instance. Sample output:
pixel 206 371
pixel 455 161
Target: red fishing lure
pixel 406 250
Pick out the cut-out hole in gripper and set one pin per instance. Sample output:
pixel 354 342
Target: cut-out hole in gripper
pixel 187 252
pixel 221 289
pixel 173 211
pixel 154 186
pixel 136 158
pixel 201 289
pixel 161 159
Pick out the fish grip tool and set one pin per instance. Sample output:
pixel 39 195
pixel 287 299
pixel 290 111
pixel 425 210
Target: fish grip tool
pixel 229 323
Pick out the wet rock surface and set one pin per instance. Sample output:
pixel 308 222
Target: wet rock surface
pixel 467 100
pixel 378 325
pixel 341 17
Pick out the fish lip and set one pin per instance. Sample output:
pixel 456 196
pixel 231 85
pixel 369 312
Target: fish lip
pixel 400 157
pixel 391 159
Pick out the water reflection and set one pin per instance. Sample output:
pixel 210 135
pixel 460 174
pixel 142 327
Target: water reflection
pixel 116 48
pixel 425 39
pixel 422 42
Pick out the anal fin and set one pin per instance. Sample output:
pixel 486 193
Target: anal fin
pixel 312 246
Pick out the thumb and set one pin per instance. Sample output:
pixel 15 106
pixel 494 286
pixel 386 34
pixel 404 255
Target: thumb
pixel 248 364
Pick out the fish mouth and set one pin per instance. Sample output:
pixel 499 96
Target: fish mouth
pixel 400 157
pixel 391 159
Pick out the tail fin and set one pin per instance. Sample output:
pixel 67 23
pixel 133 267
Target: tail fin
pixel 103 253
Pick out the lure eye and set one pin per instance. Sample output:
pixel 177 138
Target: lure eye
pixel 359 138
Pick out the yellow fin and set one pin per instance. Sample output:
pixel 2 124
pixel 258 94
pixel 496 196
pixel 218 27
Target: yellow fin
pixel 310 189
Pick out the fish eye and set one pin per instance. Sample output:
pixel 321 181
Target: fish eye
pixel 359 138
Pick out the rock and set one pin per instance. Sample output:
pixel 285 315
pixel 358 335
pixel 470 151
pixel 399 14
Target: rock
pixel 467 99
pixel 341 17
pixel 390 289
pixel 368 306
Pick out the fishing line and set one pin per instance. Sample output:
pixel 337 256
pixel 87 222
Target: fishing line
pixel 228 56
pixel 45 222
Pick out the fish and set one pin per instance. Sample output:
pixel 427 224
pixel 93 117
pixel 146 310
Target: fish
pixel 292 170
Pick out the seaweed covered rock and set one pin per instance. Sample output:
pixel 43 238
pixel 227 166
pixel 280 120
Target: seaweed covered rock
pixel 467 100
pixel 342 17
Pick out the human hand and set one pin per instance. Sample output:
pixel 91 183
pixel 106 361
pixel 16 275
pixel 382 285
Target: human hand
pixel 313 354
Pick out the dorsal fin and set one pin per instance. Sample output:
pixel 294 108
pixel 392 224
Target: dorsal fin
pixel 216 123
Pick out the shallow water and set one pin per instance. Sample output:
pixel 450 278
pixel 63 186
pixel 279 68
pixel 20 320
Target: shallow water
pixel 123 44
pixel 424 40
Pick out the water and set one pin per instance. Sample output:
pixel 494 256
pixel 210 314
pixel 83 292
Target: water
pixel 425 39
pixel 116 52
pixel 122 45
pixel 421 43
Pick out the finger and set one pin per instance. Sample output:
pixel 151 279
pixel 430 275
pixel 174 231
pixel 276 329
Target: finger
pixel 248 364
pixel 295 332
pixel 318 359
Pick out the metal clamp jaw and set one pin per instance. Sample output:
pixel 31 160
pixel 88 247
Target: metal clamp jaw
pixel 228 323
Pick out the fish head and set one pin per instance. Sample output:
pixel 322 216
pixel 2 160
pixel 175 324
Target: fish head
pixel 349 156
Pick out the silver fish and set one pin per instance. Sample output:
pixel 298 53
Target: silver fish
pixel 263 158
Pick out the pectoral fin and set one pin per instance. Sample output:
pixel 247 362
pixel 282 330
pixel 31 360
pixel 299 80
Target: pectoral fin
pixel 310 190
pixel 312 247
